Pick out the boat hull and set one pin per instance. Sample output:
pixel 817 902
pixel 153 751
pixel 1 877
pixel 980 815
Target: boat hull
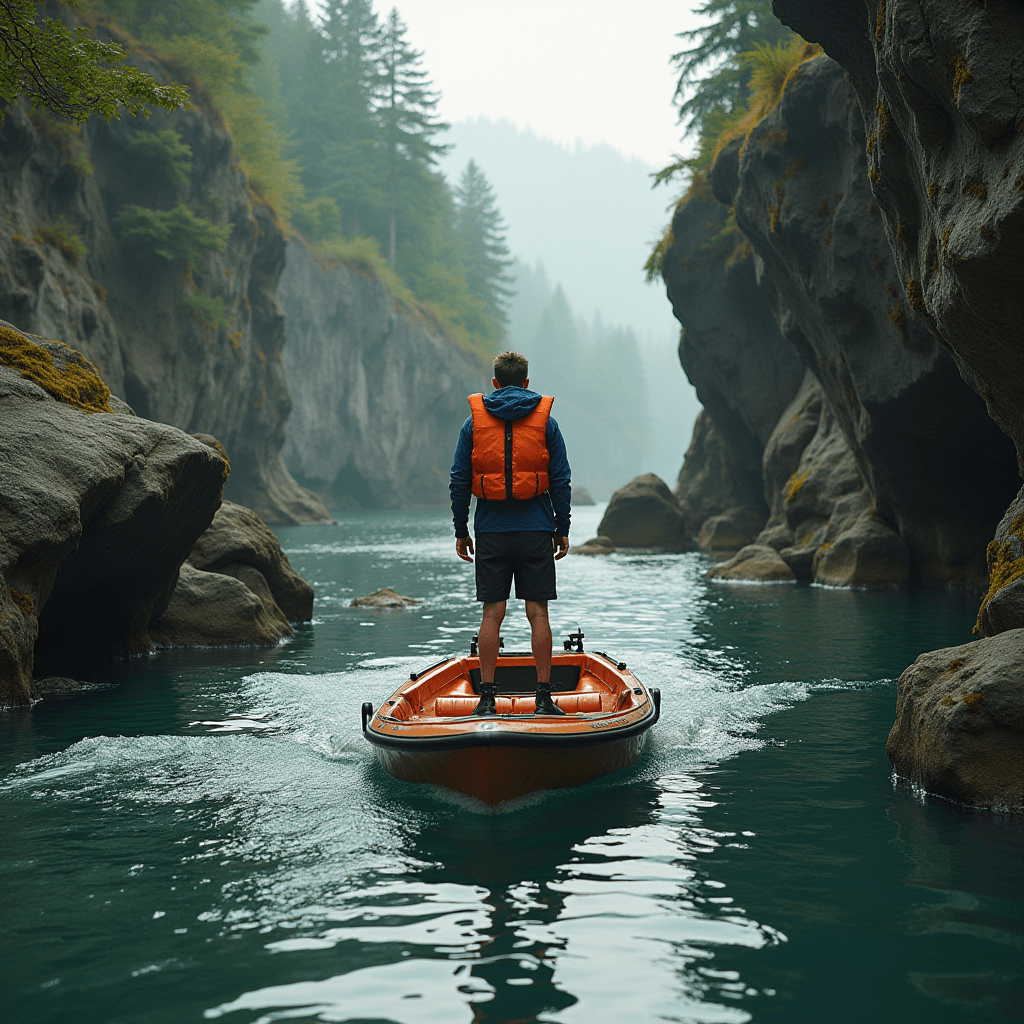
pixel 494 774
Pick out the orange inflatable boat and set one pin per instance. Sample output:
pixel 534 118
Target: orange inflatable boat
pixel 426 732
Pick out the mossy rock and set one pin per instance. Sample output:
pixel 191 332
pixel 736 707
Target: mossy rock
pixel 63 373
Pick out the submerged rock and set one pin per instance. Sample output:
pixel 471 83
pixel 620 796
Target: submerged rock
pixel 756 563
pixel 644 514
pixel 383 599
pixel 97 512
pixel 594 546
pixel 959 730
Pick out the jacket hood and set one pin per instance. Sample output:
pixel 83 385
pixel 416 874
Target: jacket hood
pixel 511 403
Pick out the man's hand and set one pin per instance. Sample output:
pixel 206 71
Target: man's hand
pixel 464 548
pixel 561 545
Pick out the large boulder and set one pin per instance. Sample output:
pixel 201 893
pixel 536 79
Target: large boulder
pixel 211 609
pixel 237 537
pixel 237 588
pixel 97 512
pixel 959 730
pixel 756 563
pixel 644 514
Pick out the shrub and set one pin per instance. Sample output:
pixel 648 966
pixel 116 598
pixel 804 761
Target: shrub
pixel 165 151
pixel 209 310
pixel 59 233
pixel 175 234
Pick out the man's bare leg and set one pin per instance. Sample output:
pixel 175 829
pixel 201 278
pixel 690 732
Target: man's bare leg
pixel 487 644
pixel 490 635
pixel 537 613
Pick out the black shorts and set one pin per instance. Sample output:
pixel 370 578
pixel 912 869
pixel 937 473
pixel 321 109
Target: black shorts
pixel 528 555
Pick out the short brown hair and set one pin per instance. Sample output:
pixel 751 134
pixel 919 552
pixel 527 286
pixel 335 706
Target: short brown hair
pixel 511 368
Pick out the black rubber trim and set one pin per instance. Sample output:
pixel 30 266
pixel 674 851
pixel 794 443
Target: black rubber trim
pixel 413 676
pixel 410 744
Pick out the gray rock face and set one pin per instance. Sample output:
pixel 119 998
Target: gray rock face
pixel 708 483
pixel 940 91
pixel 932 464
pixel 959 730
pixel 129 310
pixel 594 546
pixel 97 513
pixel 379 395
pixel 1002 608
pixel 644 514
pixel 744 371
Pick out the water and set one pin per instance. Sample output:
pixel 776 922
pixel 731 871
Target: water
pixel 212 839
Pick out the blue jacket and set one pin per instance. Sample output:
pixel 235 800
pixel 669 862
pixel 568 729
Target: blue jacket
pixel 547 513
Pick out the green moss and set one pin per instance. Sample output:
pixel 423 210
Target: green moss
pixel 77 385
pixel 101 292
pixel 59 234
pixel 175 234
pixel 961 74
pixel 1003 567
pixel 208 310
pixel 796 484
pixel 23 602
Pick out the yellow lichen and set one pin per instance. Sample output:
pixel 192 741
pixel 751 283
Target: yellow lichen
pixel 773 216
pixel 973 701
pixel 961 74
pixel 78 385
pixel 872 144
pixel 796 484
pixel 1003 567
pixel 236 340
pixel 880 23
pixel 23 602
pixel 933 190
pixel 884 121
pixel 898 315
pixel 101 292
pixel 976 187
pixel 915 294
pixel 947 702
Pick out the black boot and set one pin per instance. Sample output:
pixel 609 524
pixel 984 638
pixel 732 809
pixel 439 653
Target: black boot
pixel 487 706
pixel 545 705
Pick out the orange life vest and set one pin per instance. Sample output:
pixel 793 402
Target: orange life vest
pixel 510 457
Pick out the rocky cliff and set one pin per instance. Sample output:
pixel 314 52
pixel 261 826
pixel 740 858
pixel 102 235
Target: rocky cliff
pixel 379 392
pixel 886 469
pixel 177 309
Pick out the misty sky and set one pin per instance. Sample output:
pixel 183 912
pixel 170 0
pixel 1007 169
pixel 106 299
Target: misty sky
pixel 591 70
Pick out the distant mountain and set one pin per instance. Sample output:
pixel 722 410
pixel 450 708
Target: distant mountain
pixel 589 216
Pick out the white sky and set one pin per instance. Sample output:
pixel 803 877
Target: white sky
pixel 588 70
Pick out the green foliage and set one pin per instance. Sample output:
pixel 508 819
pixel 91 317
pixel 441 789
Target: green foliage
pixel 208 310
pixel 175 234
pixel 59 233
pixel 480 232
pixel 734 27
pixel 318 219
pixel 69 72
pixel 165 153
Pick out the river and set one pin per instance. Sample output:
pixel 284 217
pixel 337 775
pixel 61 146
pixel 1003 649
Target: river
pixel 212 839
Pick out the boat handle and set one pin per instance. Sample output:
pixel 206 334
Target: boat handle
pixel 656 697
pixel 367 713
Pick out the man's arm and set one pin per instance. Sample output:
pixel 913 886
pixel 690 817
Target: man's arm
pixel 461 486
pixel 559 479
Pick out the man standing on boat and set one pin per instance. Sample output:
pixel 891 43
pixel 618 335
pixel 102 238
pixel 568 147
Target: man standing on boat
pixel 512 457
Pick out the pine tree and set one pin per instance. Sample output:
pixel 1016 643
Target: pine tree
pixel 481 235
pixel 407 113
pixel 352 52
pixel 736 27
